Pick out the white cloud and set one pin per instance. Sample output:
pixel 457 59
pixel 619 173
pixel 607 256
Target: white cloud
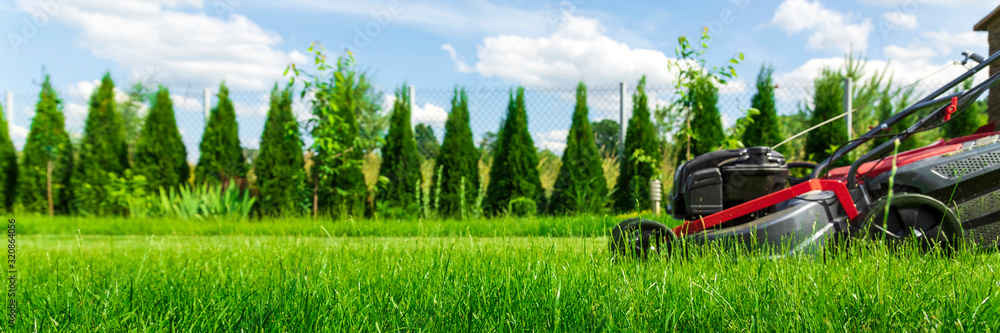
pixel 429 114
pixel 947 42
pixel 554 140
pixel 18 134
pixel 830 29
pixel 577 50
pixel 190 47
pixel 915 4
pixel 182 102
pixel 901 20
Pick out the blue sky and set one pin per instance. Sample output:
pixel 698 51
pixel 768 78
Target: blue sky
pixel 191 44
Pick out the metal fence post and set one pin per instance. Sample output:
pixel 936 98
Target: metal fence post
pixel 848 107
pixel 10 108
pixel 207 99
pixel 621 118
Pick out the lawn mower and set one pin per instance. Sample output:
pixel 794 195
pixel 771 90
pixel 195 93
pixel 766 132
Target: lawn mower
pixel 944 193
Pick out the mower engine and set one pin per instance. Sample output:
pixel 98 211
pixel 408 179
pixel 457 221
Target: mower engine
pixel 720 180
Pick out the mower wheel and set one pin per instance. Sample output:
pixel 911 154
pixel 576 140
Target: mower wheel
pixel 912 216
pixel 637 237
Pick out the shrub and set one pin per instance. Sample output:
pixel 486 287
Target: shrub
pixel 221 155
pixel 160 154
pixel 580 186
pixel 608 136
pixel 968 121
pixel 400 162
pixel 8 166
pixel 279 167
pixel 103 152
pixel 47 165
pixel 514 172
pixel 458 161
pixel 640 141
pixel 766 130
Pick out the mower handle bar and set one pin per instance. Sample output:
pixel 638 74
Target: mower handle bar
pixel 930 99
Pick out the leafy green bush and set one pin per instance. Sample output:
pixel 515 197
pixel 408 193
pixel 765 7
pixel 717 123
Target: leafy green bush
pixel 400 162
pixel 279 167
pixel 8 167
pixel 160 155
pixel 640 137
pixel 706 122
pixel 221 156
pixel 339 187
pixel 44 178
pixel 205 201
pixel 580 186
pixel 514 172
pixel 459 183
pixel 103 152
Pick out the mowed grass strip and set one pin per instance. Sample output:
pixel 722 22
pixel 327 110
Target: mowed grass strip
pixel 471 284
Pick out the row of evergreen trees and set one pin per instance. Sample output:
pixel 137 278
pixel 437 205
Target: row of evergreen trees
pixel 55 176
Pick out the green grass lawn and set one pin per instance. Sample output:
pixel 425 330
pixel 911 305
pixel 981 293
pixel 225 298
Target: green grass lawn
pixel 253 281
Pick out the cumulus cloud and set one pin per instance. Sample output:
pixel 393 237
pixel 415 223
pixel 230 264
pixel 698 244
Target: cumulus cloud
pixel 577 50
pixel 829 28
pixel 189 46
pixel 918 3
pixel 430 114
pixel 18 134
pixel 948 42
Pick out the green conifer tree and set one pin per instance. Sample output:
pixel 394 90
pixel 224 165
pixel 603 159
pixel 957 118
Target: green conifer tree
pixel 8 167
pixel 458 161
pixel 160 154
pixel 427 143
pixel 632 191
pixel 706 122
pixel 580 186
pixel 828 103
pixel 766 130
pixel 47 166
pixel 400 162
pixel 279 167
pixel 514 174
pixel 221 156
pixel 103 152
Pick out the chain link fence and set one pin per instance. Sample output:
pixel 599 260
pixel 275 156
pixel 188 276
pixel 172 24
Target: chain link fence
pixel 549 109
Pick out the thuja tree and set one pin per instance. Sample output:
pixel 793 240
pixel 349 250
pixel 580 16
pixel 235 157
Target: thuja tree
pixel 103 152
pixel 47 166
pixel 514 183
pixel 279 167
pixel 580 186
pixel 397 196
pixel 338 183
pixel 458 162
pixel 766 130
pixel 427 143
pixel 8 167
pixel 706 122
pixel 221 157
pixel 641 155
pixel 828 103
pixel 160 154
